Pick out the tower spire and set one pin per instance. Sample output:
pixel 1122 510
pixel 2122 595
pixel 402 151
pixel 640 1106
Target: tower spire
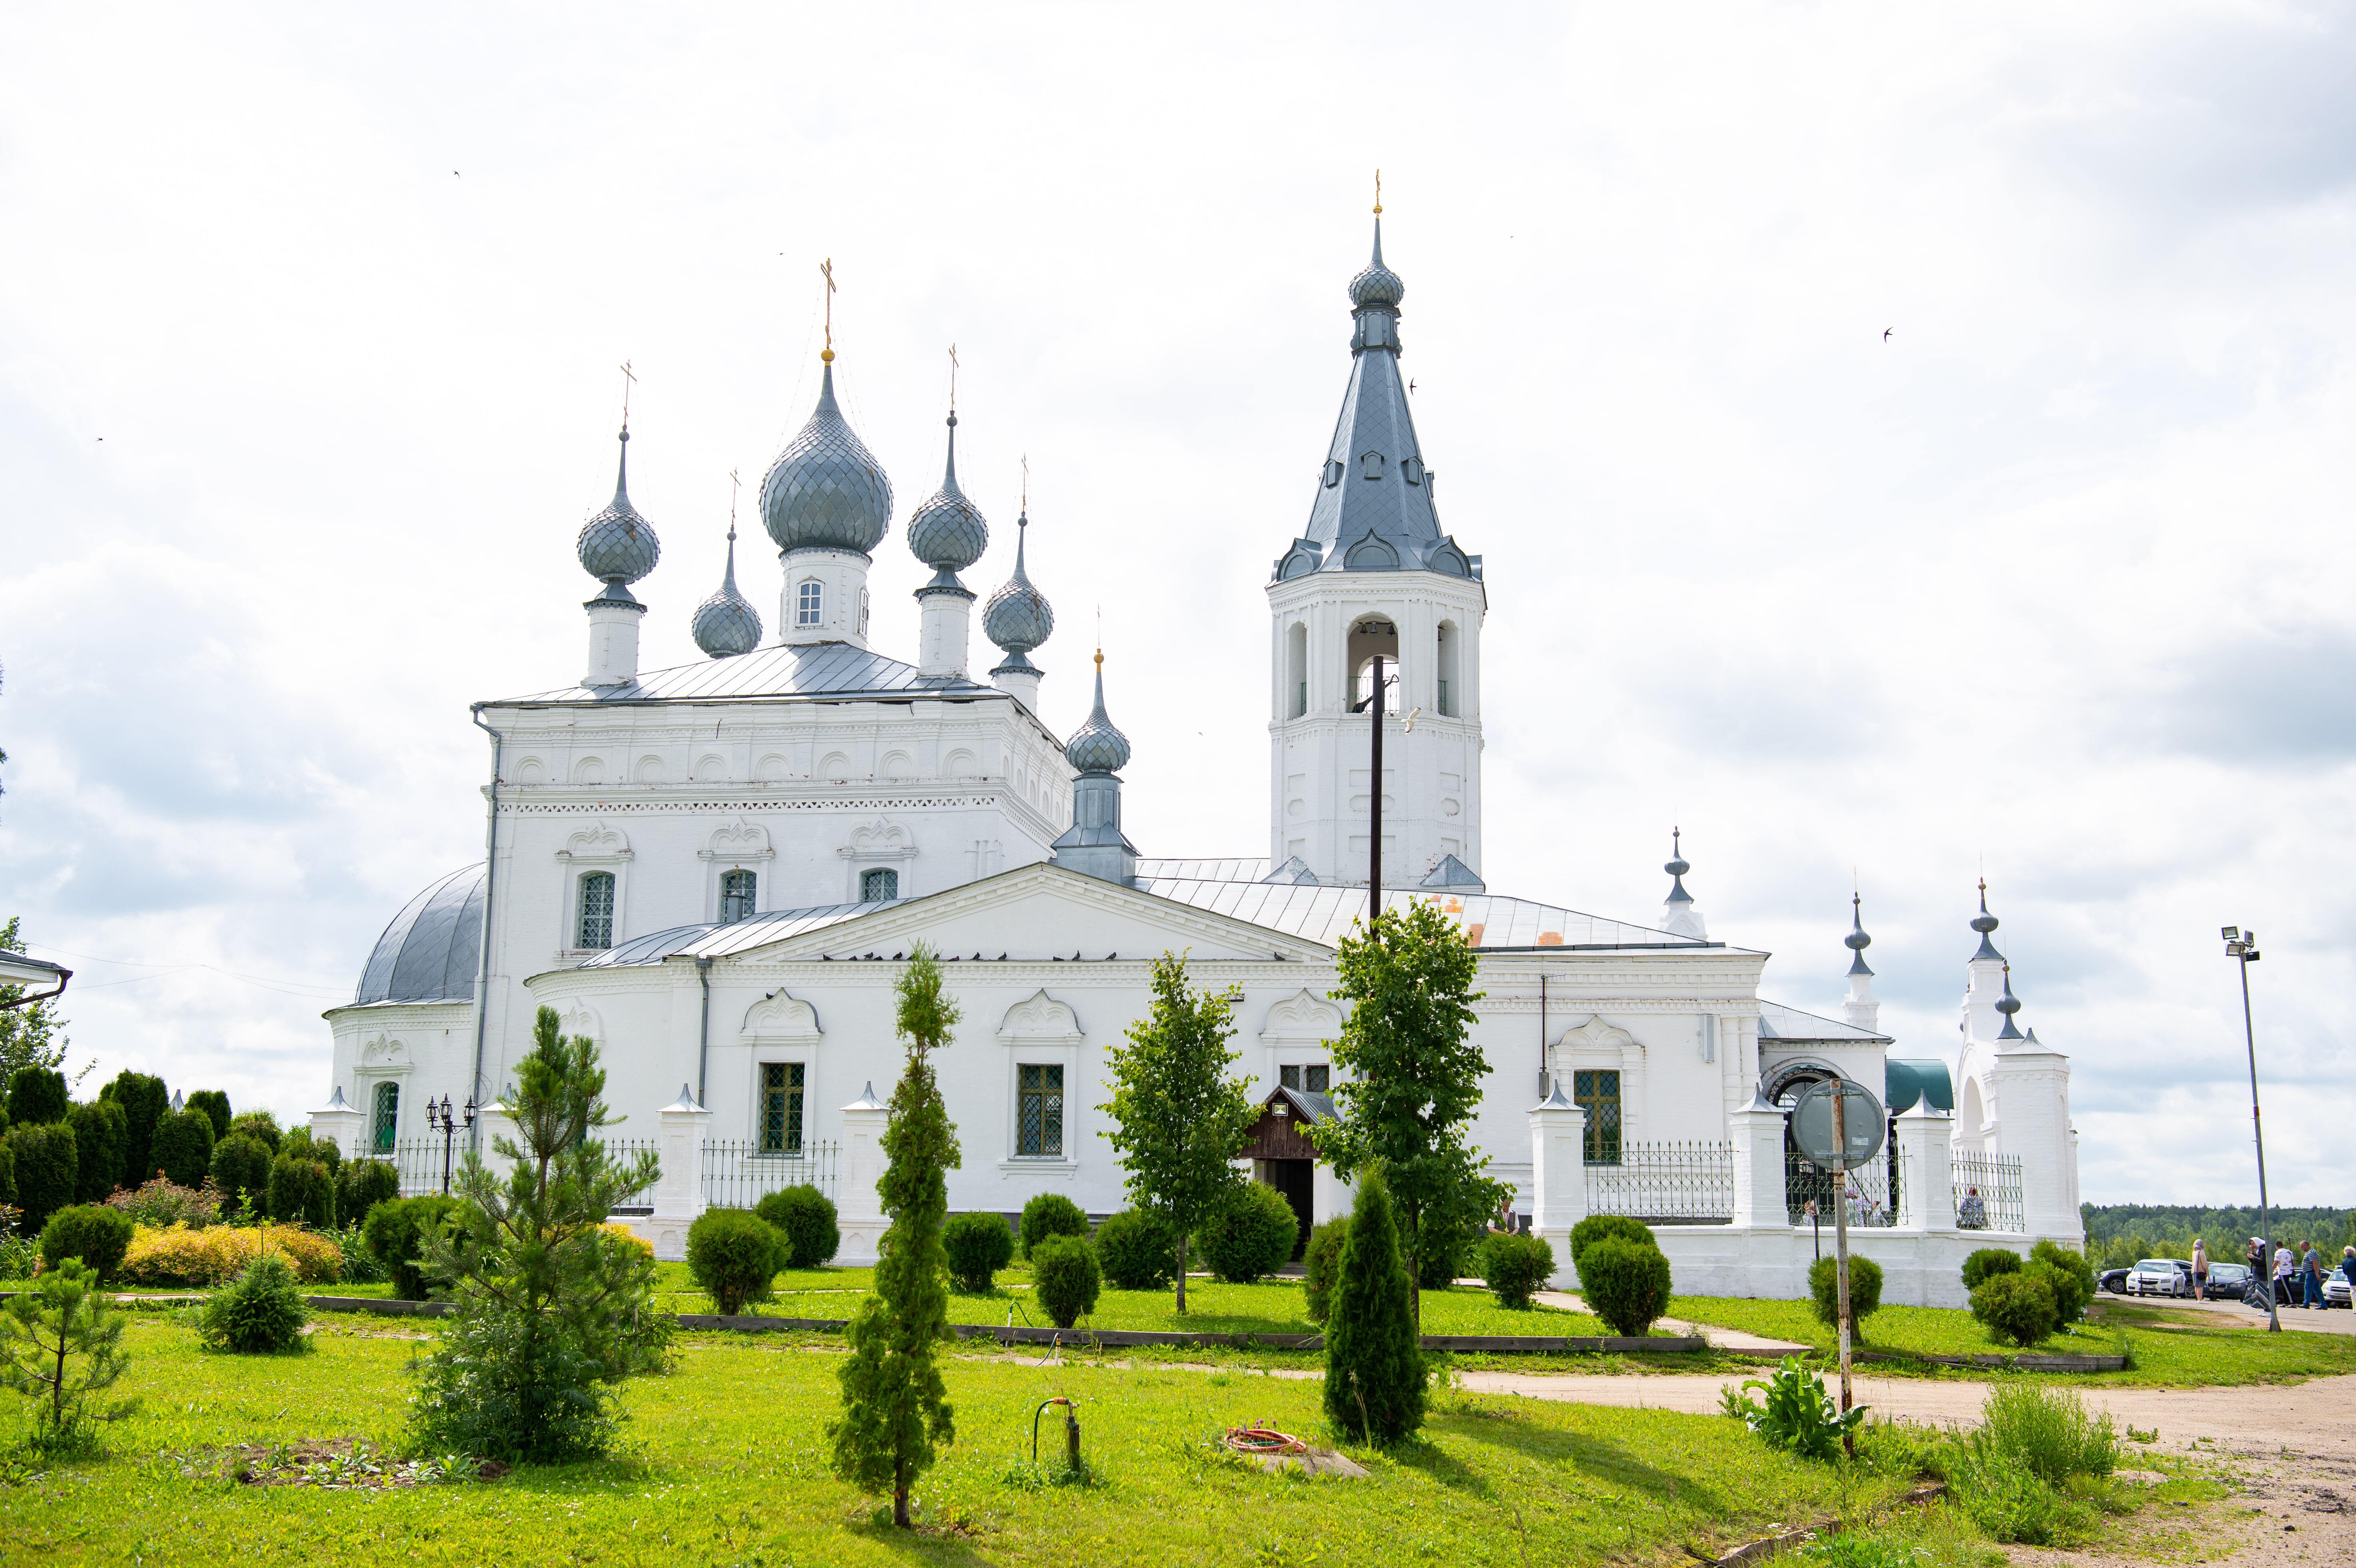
pixel 1863 1009
pixel 1095 843
pixel 1679 917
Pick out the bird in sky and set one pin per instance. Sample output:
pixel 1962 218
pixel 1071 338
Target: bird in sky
pixel 1886 332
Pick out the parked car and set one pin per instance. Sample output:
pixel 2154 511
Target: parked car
pixel 2114 1280
pixel 2227 1281
pixel 2160 1276
pixel 2336 1290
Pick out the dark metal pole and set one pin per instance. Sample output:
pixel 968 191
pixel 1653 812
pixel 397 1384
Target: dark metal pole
pixel 1375 841
pixel 2265 1214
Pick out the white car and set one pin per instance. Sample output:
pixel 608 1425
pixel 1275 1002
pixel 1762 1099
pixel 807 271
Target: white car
pixel 2159 1277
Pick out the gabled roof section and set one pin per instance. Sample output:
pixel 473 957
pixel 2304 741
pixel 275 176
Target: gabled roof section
pixel 806 671
pixel 1325 913
pixel 1790 1026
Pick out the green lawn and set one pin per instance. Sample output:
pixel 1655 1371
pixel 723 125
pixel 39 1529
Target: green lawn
pixel 2173 1349
pixel 728 1466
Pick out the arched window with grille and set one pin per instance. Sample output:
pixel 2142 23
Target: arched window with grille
pixel 879 887
pixel 1597 1093
pixel 736 896
pixel 596 924
pixel 809 603
pixel 384 1117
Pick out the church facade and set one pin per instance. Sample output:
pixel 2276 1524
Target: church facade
pixel 715 872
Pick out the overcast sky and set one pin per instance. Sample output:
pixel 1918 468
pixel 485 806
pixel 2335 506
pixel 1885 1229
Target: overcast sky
pixel 308 328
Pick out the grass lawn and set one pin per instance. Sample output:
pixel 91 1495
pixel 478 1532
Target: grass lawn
pixel 727 1466
pixel 2174 1350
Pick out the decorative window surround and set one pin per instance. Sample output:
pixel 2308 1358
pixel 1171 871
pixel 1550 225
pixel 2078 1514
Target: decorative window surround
pixel 1040 1031
pixel 879 843
pixel 780 1028
pixel 598 847
pixel 739 846
pixel 1299 1032
pixel 383 1060
pixel 1597 1044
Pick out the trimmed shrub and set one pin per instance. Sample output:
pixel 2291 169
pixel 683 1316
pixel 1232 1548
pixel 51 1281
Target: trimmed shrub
pixel 46 1169
pixel 300 1191
pixel 1137 1249
pixel 1986 1262
pixel 214 1104
pixel 2069 1274
pixel 1596 1227
pixel 302 1145
pixel 100 1129
pixel 143 1101
pixel 1064 1276
pixel 1514 1265
pixel 98 1235
pixel 977 1246
pixel 1375 1376
pixel 36 1096
pixel 1051 1214
pixel 1864 1292
pixel 395 1234
pixel 361 1186
pixel 1625 1285
pixel 183 1149
pixel 805 1217
pixel 1252 1234
pixel 1322 1263
pixel 2017 1309
pixel 1449 1258
pixel 241 1174
pixel 260 1312
pixel 219 1253
pixel 733 1255
pixel 159 1203
pixel 259 1126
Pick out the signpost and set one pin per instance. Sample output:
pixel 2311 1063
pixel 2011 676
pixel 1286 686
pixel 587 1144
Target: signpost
pixel 1837 1126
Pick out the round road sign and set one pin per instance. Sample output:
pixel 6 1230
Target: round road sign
pixel 1861 1125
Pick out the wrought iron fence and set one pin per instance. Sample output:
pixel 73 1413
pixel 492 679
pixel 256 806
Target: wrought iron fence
pixel 1665 1181
pixel 737 1174
pixel 1988 1192
pixel 641 1200
pixel 417 1161
pixel 1872 1193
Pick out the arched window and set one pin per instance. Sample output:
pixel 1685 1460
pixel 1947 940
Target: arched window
pixel 597 926
pixel 1296 671
pixel 879 887
pixel 809 603
pixel 862 612
pixel 1451 693
pixel 384 1118
pixel 1598 1094
pixel 1369 637
pixel 736 888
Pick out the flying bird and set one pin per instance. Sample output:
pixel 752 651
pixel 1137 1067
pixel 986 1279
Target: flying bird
pixel 1886 332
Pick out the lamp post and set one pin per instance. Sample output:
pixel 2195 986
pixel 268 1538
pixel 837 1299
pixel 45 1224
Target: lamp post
pixel 2242 947
pixel 441 1119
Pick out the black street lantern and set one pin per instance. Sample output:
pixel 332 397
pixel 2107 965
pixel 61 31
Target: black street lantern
pixel 2242 947
pixel 441 1119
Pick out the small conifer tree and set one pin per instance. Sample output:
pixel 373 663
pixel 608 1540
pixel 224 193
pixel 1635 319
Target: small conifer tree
pixel 896 1409
pixel 1373 1365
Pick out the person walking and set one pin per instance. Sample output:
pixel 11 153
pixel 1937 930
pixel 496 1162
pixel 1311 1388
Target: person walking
pixel 2283 1276
pixel 2314 1283
pixel 2348 1272
pixel 2200 1270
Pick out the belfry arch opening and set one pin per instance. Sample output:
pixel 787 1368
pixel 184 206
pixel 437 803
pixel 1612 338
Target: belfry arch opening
pixel 1449 699
pixel 1369 636
pixel 1295 695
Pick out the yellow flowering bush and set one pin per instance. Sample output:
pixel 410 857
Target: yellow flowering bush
pixel 630 1238
pixel 176 1256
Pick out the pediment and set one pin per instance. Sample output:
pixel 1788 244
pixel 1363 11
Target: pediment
pixel 1595 1034
pixel 1039 1017
pixel 781 1017
pixel 1304 1016
pixel 385 1054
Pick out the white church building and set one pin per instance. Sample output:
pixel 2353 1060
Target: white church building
pixel 714 871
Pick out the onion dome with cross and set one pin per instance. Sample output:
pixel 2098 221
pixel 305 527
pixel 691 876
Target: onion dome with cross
pixel 618 546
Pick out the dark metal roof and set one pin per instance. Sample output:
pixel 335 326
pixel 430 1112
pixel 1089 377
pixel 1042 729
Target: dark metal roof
pixel 433 947
pixel 808 670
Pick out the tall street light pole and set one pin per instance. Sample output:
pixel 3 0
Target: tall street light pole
pixel 2242 947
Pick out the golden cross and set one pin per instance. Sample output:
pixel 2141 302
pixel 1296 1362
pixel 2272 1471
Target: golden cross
pixel 1378 193
pixel 734 485
pixel 953 370
pixel 629 378
pixel 826 270
pixel 1026 483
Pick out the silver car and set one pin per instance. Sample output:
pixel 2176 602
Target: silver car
pixel 2160 1276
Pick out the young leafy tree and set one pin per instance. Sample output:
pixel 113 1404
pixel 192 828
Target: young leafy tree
pixel 896 1409
pixel 29 1037
pixel 551 1310
pixel 1178 1119
pixel 1411 1080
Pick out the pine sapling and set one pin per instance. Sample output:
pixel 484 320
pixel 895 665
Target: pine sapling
pixel 60 1345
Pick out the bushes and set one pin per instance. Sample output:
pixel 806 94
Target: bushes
pixel 100 1129
pixel 805 1217
pixel 214 1104
pixel 1515 1265
pixel 395 1234
pixel 2017 1309
pixel 258 1125
pixel 1864 1291
pixel 300 1191
pixel 260 1312
pixel 1322 1263
pixel 1064 1276
pixel 302 1145
pixel 2069 1274
pixel 978 1246
pixel 46 1169
pixel 733 1255
pixel 218 1253
pixel 1373 1365
pixel 36 1096
pixel 1625 1285
pixel 1598 1227
pixel 159 1203
pixel 1251 1236
pixel 241 1174
pixel 1051 1214
pixel 183 1149
pixel 361 1186
pixel 99 1236
pixel 143 1101
pixel 1990 1261
pixel 1137 1249
pixel 2006 1474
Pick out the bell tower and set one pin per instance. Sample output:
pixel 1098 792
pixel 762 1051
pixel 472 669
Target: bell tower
pixel 1374 575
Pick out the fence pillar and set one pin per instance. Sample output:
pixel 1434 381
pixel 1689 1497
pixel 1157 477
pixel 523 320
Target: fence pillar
pixel 491 1124
pixel 1926 1196
pixel 678 1191
pixel 860 1212
pixel 336 1122
pixel 1557 1176
pixel 1758 1134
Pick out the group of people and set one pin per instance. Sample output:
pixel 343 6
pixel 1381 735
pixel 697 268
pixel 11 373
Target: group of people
pixel 2298 1272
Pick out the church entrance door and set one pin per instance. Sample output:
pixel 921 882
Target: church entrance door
pixel 1297 1180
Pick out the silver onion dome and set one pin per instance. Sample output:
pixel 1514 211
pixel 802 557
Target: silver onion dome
pixel 617 545
pixel 725 624
pixel 825 491
pixel 1017 617
pixel 1378 286
pixel 948 533
pixel 1984 923
pixel 1856 941
pixel 1097 747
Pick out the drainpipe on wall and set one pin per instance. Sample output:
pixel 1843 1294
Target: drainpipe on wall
pixel 490 882
pixel 704 1030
